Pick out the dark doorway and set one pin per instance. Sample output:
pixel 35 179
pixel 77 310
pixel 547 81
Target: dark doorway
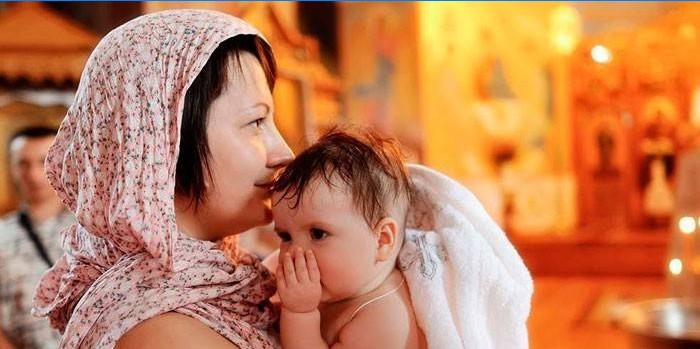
pixel 320 20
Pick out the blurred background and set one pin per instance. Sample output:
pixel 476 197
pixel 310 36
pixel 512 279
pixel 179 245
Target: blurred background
pixel 576 124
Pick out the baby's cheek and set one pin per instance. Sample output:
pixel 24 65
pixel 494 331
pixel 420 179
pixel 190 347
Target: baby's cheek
pixel 332 272
pixel 323 268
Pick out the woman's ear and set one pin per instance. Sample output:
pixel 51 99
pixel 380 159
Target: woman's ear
pixel 386 232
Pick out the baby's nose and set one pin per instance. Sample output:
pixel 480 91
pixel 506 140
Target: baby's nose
pixel 297 245
pixel 298 250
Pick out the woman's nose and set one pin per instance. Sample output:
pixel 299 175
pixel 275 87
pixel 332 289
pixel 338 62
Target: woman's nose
pixel 279 153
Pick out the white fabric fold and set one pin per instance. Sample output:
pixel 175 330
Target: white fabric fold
pixel 469 287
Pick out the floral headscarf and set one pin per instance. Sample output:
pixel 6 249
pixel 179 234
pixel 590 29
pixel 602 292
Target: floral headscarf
pixel 113 164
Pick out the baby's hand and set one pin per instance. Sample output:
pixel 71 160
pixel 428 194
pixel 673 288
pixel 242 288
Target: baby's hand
pixel 299 281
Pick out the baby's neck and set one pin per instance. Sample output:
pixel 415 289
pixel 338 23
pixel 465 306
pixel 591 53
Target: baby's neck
pixel 377 285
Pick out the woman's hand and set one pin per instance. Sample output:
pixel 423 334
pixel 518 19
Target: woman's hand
pixel 299 281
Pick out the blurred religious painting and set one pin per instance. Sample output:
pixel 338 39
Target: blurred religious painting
pixel 514 111
pixel 603 152
pixel 607 144
pixel 658 158
pixel 383 94
pixel 650 108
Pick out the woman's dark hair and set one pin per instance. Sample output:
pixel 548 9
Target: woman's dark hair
pixel 193 160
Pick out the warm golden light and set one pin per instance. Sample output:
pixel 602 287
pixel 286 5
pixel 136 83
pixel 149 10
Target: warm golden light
pixel 687 225
pixel 565 29
pixel 601 54
pixel 695 265
pixel 687 31
pixel 675 266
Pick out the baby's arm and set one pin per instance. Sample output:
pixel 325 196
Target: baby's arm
pixel 384 324
pixel 299 289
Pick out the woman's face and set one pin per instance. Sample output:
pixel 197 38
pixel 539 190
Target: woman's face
pixel 246 150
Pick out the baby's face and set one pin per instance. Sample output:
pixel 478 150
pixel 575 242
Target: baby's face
pixel 327 223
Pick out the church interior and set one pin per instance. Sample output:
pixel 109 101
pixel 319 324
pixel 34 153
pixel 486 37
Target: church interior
pixel 576 124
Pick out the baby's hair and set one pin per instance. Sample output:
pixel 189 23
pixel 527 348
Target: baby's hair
pixel 369 165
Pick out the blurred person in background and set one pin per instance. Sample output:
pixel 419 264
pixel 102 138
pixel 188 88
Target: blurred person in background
pixel 29 241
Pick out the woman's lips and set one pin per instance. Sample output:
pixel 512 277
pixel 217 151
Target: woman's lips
pixel 265 185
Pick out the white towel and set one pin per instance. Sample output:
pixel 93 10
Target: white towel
pixel 469 287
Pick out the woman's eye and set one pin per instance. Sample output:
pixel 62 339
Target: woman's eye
pixel 258 122
pixel 318 234
pixel 284 236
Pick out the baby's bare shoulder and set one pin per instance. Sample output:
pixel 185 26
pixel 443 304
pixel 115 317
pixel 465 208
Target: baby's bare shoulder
pixel 386 324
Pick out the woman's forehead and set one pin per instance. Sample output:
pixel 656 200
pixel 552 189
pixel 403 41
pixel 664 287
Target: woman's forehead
pixel 246 79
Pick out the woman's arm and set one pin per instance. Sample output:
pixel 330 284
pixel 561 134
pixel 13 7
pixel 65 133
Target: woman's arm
pixel 173 331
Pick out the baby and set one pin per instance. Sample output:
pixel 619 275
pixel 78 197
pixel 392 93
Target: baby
pixel 339 210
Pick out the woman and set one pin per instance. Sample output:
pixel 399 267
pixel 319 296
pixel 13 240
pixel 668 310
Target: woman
pixel 169 146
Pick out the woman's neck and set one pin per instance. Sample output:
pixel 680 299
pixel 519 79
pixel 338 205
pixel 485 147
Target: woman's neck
pixel 187 220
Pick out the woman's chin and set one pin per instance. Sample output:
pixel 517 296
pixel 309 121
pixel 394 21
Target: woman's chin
pixel 261 215
pixel 267 214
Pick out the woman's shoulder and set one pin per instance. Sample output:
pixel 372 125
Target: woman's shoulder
pixel 172 331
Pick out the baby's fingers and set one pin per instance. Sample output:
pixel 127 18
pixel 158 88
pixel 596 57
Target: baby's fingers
pixel 290 276
pixel 300 265
pixel 312 266
pixel 281 284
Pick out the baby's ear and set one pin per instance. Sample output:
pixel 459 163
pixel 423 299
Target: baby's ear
pixel 386 232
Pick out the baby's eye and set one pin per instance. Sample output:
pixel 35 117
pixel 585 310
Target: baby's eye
pixel 284 236
pixel 318 234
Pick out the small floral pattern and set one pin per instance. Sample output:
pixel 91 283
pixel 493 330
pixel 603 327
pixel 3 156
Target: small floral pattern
pixel 113 164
